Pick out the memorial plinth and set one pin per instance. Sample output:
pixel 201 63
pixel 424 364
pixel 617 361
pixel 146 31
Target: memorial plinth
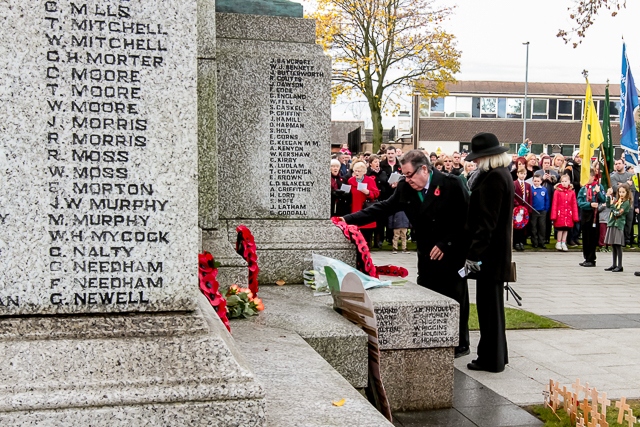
pixel 274 105
pixel 418 331
pixel 417 334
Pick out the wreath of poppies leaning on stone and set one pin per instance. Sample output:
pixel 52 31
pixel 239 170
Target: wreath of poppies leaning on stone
pixel 246 248
pixel 207 272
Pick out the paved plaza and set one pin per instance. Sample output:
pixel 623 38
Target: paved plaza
pixel 602 345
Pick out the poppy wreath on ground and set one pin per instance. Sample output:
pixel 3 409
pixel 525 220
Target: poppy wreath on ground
pixel 364 263
pixel 246 248
pixel 520 217
pixel 392 270
pixel 209 286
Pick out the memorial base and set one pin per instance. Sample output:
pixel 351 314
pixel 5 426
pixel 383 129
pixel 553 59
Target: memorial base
pixel 418 379
pixel 286 247
pixel 163 369
pixel 233 269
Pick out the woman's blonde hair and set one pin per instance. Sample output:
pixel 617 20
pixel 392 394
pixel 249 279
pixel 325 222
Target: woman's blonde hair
pixel 561 167
pixel 492 162
pixel 359 162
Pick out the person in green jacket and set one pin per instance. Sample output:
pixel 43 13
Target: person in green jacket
pixel 619 206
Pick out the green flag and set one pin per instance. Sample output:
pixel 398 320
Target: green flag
pixel 607 145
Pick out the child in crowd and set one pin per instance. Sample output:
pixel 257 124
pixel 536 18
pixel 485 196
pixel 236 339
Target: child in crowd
pixel 522 197
pixel 603 219
pixel 588 198
pixel 399 223
pixel 619 206
pixel 538 218
pixel 564 211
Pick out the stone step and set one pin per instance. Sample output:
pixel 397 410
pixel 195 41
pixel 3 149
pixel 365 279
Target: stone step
pixel 338 341
pixel 299 384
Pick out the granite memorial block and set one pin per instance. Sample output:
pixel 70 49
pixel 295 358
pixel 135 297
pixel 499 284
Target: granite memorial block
pixel 97 151
pixel 273 129
pixel 417 332
pixel 101 321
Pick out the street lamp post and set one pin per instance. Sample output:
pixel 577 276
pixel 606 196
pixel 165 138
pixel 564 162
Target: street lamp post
pixel 526 84
pixel 415 116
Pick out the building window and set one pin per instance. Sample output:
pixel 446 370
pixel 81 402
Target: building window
pixel 614 110
pixel 502 108
pixel 540 109
pixel 464 106
pixel 489 108
pixel 475 110
pixel 514 108
pixel 565 109
pixel 449 106
pixel 553 107
pixel 436 107
pixel 577 109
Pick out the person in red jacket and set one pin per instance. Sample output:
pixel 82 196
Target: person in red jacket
pixel 564 211
pixel 522 195
pixel 363 188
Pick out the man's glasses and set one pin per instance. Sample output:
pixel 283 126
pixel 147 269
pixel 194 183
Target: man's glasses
pixel 410 175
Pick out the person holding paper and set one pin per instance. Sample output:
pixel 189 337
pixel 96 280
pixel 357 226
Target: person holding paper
pixel 385 191
pixel 340 199
pixel 436 206
pixel 363 189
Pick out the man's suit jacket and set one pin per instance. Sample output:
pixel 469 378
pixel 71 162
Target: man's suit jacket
pixel 438 221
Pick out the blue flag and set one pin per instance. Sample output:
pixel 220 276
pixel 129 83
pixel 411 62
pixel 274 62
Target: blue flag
pixel 629 101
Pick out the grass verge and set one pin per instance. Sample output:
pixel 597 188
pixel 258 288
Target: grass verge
pixel 562 419
pixel 516 319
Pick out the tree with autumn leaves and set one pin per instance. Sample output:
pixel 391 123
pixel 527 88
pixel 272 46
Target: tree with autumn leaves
pixel 584 13
pixel 386 49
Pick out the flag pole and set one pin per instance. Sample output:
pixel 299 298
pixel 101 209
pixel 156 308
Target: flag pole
pixel 604 155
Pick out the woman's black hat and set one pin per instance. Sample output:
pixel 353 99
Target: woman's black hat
pixel 485 144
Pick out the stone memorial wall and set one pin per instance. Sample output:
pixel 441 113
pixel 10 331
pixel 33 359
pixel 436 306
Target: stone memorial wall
pixel 273 133
pixel 290 148
pixel 273 126
pixel 98 156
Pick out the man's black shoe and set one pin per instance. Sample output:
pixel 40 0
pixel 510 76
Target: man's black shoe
pixel 617 270
pixel 461 351
pixel 613 267
pixel 588 264
pixel 637 273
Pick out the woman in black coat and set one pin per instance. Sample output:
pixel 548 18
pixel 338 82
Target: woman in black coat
pixel 489 227
pixel 340 201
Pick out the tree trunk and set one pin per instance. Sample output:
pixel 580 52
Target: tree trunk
pixel 376 118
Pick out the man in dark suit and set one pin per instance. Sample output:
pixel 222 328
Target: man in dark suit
pixel 489 227
pixel 436 205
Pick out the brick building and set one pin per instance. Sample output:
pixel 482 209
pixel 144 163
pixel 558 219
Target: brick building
pixel 554 115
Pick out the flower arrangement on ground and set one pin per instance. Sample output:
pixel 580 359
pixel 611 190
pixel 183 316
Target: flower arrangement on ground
pixel 242 303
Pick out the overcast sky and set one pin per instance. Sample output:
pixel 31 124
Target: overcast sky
pixel 490 34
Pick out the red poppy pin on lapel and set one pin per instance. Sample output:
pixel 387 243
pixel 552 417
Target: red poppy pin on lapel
pixel 437 192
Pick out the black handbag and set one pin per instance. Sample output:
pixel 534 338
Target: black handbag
pixel 513 274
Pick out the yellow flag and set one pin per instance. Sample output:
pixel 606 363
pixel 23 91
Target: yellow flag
pixel 591 136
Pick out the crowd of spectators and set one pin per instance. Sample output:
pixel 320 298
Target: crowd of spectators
pixel 547 186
